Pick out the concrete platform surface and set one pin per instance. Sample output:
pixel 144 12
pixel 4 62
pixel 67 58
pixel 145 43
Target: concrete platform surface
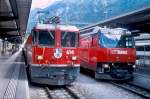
pixel 13 79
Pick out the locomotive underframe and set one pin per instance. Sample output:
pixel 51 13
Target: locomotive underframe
pixel 114 71
pixel 54 75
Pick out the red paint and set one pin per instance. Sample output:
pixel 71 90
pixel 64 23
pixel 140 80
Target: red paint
pixel 34 50
pixel 91 53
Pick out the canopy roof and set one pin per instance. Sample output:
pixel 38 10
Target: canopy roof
pixel 137 21
pixel 13 18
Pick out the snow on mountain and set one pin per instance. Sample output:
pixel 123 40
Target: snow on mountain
pixel 85 12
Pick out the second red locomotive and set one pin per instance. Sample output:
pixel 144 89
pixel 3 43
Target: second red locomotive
pixel 110 53
pixel 51 54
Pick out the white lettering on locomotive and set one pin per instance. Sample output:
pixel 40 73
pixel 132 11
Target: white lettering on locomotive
pixel 69 52
pixel 119 52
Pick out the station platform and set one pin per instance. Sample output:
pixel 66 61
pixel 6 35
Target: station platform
pixel 142 77
pixel 13 79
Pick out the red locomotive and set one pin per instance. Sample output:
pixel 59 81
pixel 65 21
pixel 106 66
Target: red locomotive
pixel 110 53
pixel 51 54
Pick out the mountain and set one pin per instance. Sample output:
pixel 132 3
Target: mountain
pixel 85 12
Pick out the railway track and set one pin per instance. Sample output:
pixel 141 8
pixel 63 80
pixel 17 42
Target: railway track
pixel 134 88
pixel 63 93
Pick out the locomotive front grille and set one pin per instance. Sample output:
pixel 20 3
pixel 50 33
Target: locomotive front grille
pixel 55 72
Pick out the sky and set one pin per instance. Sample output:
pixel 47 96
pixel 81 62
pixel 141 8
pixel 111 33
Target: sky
pixel 42 3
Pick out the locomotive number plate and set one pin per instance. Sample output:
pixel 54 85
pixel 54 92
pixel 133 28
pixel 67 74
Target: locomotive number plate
pixel 69 52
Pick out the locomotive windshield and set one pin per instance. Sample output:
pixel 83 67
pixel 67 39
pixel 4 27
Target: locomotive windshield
pixel 115 39
pixel 69 39
pixel 46 38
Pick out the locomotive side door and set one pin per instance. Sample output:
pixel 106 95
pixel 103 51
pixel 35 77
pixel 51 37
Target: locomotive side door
pixel 93 51
pixel 84 55
pixel 86 50
pixel 29 49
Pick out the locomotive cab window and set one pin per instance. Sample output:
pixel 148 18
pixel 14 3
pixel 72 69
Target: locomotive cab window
pixel 129 41
pixel 34 36
pixel 115 39
pixel 69 39
pixel 46 38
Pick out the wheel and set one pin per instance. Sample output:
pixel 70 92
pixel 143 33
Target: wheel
pixel 97 76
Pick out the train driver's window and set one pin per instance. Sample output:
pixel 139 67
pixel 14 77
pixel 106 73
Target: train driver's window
pixel 68 39
pixel 34 37
pixel 46 38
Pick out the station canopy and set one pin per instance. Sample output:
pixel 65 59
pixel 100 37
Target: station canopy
pixel 138 21
pixel 13 19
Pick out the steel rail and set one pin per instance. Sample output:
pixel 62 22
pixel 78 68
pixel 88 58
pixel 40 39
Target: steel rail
pixel 134 88
pixel 67 92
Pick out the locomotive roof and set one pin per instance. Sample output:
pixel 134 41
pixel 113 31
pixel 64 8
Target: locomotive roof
pixel 95 29
pixel 52 27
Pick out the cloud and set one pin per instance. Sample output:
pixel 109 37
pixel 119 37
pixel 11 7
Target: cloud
pixel 42 3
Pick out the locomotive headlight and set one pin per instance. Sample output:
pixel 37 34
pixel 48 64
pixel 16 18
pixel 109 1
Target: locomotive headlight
pixel 106 66
pixel 74 58
pixel 134 66
pixel 39 57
